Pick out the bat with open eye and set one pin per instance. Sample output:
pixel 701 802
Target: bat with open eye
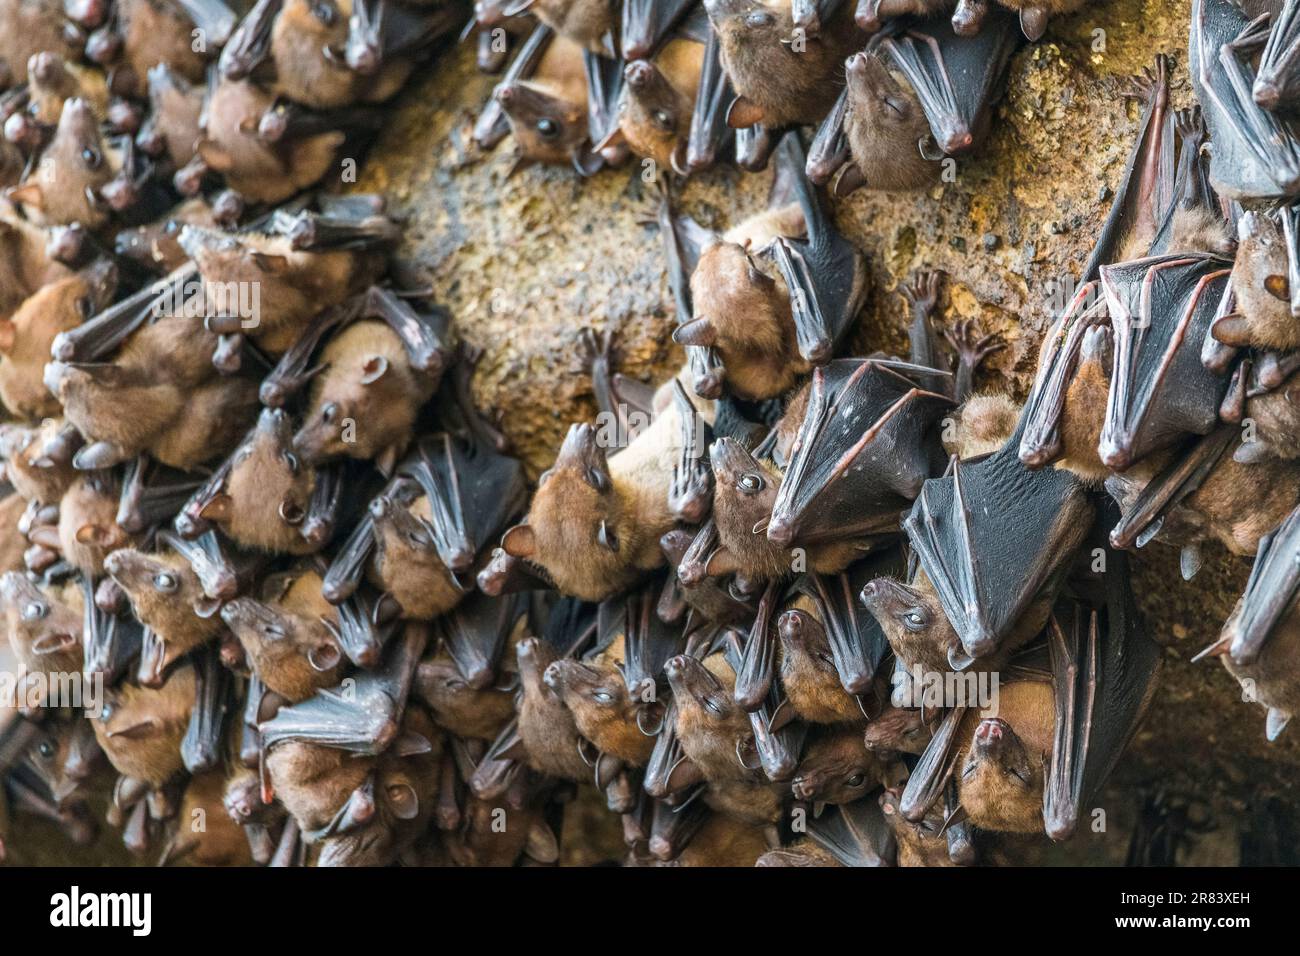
pixel 38 461
pixel 781 77
pixel 88 529
pixel 919 96
pixel 63 185
pixel 799 295
pixel 959 544
pixel 1265 287
pixel 1258 645
pixel 26 337
pixel 1256 152
pixel 837 768
pixel 44 629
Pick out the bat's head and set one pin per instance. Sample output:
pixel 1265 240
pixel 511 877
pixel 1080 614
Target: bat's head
pixel 88 528
pixel 222 257
pixel 309 32
pixel 715 732
pixel 1000 780
pixel 75 163
pixel 242 799
pixel 49 83
pixel 174 107
pixel 898 730
pixel 44 632
pixel 880 97
pixel 920 842
pixel 808 671
pixel 1260 281
pixel 534 656
pixel 577 528
pixel 742 24
pixel 604 711
pixel 403 535
pixel 273 636
pixel 469 708
pixel 655 118
pixel 738 308
pixel 908 615
pixel 36 473
pixel 836 768
pixel 141 728
pixel 51 755
pixel 744 490
pixel 547 127
pixel 268 491
pixel 165 593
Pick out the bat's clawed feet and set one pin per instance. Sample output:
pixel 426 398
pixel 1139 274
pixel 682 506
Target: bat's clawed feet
pixel 1191 128
pixel 922 291
pixel 597 351
pixel 1153 81
pixel 971 346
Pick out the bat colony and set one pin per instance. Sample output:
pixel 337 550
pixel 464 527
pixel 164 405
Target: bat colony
pixel 246 489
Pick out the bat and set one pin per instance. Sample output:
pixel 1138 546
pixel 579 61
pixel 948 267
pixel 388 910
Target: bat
pixel 1265 287
pixel 142 729
pixel 840 483
pixel 201 747
pixel 788 330
pixel 779 81
pixel 63 185
pixel 836 768
pixel 44 631
pixel 1258 640
pixel 1275 87
pixel 958 543
pixel 917 94
pixel 1256 154
pixel 647 23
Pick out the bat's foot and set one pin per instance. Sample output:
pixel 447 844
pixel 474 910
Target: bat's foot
pixel 971 346
pixel 922 291
pixel 1191 127
pixel 1152 82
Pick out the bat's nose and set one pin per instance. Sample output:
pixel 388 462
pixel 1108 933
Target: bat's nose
pixel 553 676
pixel 803 789
pixel 790 626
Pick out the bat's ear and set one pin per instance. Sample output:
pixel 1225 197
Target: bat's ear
pixel 139 731
pixel 403 801
pixel 7 335
pixel 1232 329
pixel 744 113
pixel 1275 285
pixel 542 845
pixel 1033 22
pixel 696 332
pixel 374 369
pixel 720 562
pixel 324 656
pixel 29 194
pixel 95 534
pixel 218 509
pixel 270 263
pixel 519 541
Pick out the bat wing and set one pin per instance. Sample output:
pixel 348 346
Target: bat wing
pixel 1104 670
pixel 980 517
pixel 930 776
pixel 1270 592
pixel 669 772
pixel 826 274
pixel 364 714
pixel 858 644
pixel 100 335
pixel 1256 154
pixel 956 78
pixel 472 491
pixel 475 634
pixel 201 746
pixel 1163 493
pixel 709 130
pixel 855 833
pixel 1160 310
pixel 863 449
pixel 424 334
pixel 1040 441
pixel 830 146
pixel 757 665
pixel 649 641
pixel 109 642
pixel 346 570
pixel 690 492
pixel 604 90
pixel 1277 80
pixel 647 23
pixel 491 127
pixel 684 239
pixel 779 742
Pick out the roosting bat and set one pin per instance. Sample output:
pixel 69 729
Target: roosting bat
pixel 917 94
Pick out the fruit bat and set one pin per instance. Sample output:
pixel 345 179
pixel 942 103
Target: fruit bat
pixel 1265 286
pixel 836 768
pixel 1052 745
pixel 968 529
pixel 362 719
pixel 1256 153
pixel 1258 643
pixel 780 78
pixel 142 729
pixel 646 23
pixel 63 185
pixel 841 482
pixel 917 94
pixel 221 841
pixel 111 643
pixel 825 281
pixel 44 630
pixel 450 497
pixel 201 747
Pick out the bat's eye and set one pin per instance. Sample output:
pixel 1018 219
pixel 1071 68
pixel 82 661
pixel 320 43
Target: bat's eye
pixel 826 659
pixel 970 770
pixel 759 19
pixel 915 620
pixel 291 512
pixel 325 13
pixel 91 157
pixel 85 307
pixel 895 106
pixel 547 128
pixel 712 706
pixel 1019 776
pixel 46 749
pixel 329 413
pixel 171 227
pixel 106 712
pixel 273 631
pixel 35 610
pixel 454 683
pixel 664 120
pixel 165 582
pixel 596 478
pixel 857 780
pixel 603 697
pixel 751 483
pixel 291 462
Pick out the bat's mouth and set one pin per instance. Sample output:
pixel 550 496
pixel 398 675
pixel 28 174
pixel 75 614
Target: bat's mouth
pixel 805 788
